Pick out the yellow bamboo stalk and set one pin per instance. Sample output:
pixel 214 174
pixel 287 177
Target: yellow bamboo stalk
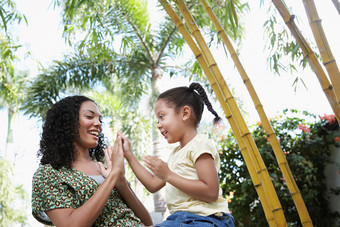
pixel 245 153
pixel 293 188
pixel 323 46
pixel 310 56
pixel 245 134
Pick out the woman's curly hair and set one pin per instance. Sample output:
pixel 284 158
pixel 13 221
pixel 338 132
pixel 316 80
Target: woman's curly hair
pixel 60 128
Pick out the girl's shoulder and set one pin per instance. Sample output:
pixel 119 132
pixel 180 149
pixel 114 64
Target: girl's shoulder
pixel 202 141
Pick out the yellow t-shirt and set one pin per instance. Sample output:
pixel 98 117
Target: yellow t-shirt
pixel 182 162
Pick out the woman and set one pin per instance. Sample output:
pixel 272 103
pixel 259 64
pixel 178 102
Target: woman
pixel 72 187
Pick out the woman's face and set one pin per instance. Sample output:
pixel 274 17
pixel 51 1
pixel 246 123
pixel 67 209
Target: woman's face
pixel 90 121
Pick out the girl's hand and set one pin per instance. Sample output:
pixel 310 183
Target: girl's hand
pixel 126 146
pixel 157 166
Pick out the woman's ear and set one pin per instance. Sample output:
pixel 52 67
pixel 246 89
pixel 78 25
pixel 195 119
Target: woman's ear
pixel 186 113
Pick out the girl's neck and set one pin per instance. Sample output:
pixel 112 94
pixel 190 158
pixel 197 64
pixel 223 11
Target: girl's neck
pixel 187 137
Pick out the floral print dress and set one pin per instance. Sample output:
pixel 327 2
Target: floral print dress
pixel 69 188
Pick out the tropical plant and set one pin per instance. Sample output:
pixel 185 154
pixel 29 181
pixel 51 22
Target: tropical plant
pixel 12 198
pixel 120 50
pixel 127 72
pixel 306 142
pixel 12 82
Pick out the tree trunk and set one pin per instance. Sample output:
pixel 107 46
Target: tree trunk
pixel 159 197
pixel 9 138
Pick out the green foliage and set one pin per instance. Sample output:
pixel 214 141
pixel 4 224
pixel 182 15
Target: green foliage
pixel 13 198
pixel 306 143
pixel 285 55
pixel 11 85
pixel 9 14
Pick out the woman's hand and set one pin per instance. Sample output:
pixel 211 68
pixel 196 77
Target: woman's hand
pixel 114 159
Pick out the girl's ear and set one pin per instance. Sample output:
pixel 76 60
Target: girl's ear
pixel 186 113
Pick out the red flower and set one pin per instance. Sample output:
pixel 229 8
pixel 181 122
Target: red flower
pixel 304 128
pixel 336 139
pixel 330 118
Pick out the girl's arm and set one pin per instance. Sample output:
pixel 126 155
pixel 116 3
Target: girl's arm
pixel 87 214
pixel 151 182
pixel 206 188
pixel 133 202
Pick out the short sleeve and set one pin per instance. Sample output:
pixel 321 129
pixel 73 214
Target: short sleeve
pixel 49 192
pixel 203 145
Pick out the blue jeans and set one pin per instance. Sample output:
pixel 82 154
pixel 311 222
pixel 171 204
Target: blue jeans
pixel 181 218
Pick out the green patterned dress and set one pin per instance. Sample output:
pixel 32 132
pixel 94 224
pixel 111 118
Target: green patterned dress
pixel 52 189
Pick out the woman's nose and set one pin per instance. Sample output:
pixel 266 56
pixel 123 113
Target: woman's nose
pixel 98 122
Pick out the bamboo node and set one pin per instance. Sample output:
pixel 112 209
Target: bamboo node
pixel 277 209
pixel 270 134
pixel 294 193
pixel 264 169
pixel 291 19
pixel 282 163
pixel 257 185
pixel 212 65
pixel 325 63
pixel 315 21
pixel 330 87
pixel 198 55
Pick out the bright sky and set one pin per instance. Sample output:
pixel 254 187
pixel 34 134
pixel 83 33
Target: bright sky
pixel 44 36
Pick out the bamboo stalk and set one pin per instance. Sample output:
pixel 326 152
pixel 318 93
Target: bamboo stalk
pixel 245 134
pixel 336 5
pixel 293 188
pixel 323 46
pixel 310 56
pixel 245 153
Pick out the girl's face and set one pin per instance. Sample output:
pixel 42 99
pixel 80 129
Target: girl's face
pixel 90 121
pixel 169 121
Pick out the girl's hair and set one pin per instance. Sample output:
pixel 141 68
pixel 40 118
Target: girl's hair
pixel 193 96
pixel 60 128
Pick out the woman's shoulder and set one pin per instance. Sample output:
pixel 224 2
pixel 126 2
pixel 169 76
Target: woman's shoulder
pixel 46 168
pixel 47 171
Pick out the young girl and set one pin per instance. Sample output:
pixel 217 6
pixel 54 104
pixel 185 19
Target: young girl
pixel 193 195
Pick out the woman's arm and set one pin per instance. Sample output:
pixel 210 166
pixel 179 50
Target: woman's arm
pixel 151 182
pixel 87 214
pixel 133 202
pixel 205 188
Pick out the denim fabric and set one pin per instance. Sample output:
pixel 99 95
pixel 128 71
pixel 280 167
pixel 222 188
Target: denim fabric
pixel 181 218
